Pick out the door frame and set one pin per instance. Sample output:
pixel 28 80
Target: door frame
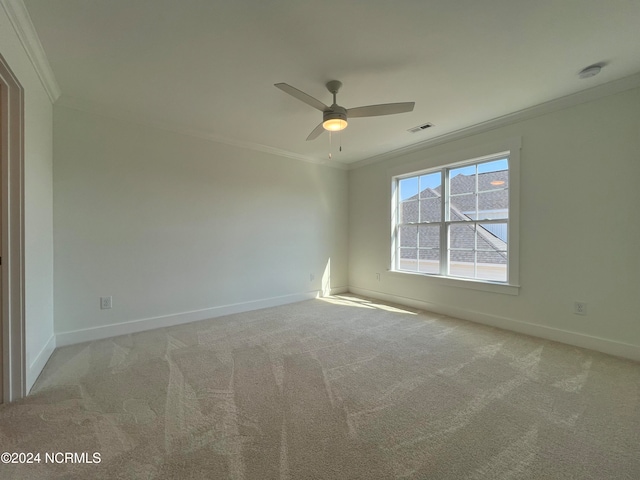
pixel 12 310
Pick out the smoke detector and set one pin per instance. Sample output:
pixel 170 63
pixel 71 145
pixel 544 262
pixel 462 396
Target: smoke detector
pixel 590 71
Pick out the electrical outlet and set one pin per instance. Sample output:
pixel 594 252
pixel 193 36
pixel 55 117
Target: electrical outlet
pixel 106 302
pixel 311 277
pixel 378 276
pixel 580 308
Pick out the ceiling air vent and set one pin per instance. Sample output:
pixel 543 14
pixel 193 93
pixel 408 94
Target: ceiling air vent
pixel 420 128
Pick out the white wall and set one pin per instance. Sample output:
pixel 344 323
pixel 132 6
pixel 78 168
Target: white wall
pixel 579 229
pixel 38 200
pixel 178 226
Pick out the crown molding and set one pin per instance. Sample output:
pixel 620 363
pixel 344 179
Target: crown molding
pixel 26 32
pixel 590 94
pixel 121 115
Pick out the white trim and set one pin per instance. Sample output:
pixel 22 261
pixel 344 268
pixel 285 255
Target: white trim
pixel 135 326
pixel 469 283
pixel 120 115
pixel 479 153
pixel 40 361
pixel 26 32
pixel 12 317
pixel 604 345
pixel 594 93
pixel 337 290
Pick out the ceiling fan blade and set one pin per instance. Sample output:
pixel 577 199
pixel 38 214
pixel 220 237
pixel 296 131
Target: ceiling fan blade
pixel 377 110
pixel 315 133
pixel 308 99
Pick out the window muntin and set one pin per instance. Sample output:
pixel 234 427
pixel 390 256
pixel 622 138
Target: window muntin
pixel 454 221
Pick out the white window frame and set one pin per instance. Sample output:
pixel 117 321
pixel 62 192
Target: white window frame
pixel 508 148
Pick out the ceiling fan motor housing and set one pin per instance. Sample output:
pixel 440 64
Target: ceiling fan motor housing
pixel 335 118
pixel 335 112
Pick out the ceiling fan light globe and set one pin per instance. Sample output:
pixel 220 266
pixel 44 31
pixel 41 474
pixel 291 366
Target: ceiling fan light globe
pixel 334 124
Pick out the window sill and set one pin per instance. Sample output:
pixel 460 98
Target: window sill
pixel 493 287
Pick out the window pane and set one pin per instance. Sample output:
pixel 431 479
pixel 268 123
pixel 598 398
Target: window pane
pixel 409 236
pixel 498 230
pixel 430 209
pixel 429 248
pixel 408 188
pixel 462 207
pixel 429 260
pixel 408 259
pixel 461 264
pixel 462 180
pixel 462 237
pixel 408 251
pixel 462 250
pixel 492 266
pixel 429 236
pixel 491 257
pixel 492 237
pixel 493 180
pixel 409 211
pixel 430 185
pixel 493 205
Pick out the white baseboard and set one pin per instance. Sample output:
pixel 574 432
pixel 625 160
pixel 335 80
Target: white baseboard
pixel 339 290
pixel 39 362
pixel 604 345
pixel 135 326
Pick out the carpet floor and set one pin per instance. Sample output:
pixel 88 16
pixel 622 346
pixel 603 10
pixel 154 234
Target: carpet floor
pixel 334 388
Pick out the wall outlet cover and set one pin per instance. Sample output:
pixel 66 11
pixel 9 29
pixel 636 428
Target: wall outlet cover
pixel 106 303
pixel 580 308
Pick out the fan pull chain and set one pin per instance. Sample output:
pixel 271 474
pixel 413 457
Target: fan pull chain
pixel 329 145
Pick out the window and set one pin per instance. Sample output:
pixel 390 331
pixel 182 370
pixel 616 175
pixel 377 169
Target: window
pixel 454 221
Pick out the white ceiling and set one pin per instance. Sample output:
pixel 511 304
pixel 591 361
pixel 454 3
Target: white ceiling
pixel 208 66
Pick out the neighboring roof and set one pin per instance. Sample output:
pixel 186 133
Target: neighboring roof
pixel 493 197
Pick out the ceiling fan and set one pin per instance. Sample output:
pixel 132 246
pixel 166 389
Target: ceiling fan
pixel 334 118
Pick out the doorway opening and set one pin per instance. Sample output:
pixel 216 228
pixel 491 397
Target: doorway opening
pixel 12 331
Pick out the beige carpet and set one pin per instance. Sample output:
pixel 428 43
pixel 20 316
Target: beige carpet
pixel 338 388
